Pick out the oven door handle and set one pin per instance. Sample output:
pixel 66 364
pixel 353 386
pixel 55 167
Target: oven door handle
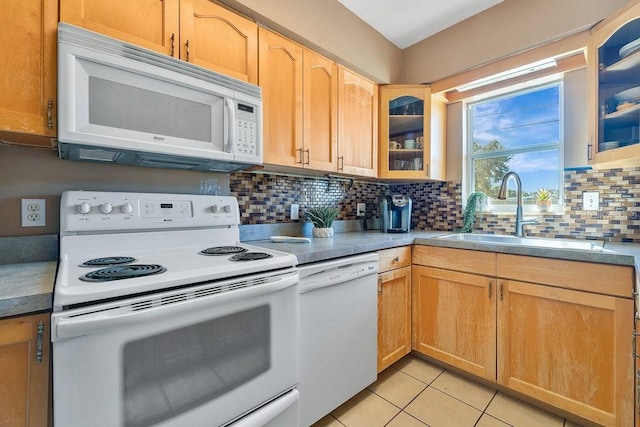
pixel 70 325
pixel 268 412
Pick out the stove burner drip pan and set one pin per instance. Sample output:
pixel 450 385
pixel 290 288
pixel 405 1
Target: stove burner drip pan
pixel 119 272
pixel 106 261
pixel 250 256
pixel 222 250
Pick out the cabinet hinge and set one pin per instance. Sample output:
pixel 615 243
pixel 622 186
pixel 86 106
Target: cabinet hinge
pixel 39 344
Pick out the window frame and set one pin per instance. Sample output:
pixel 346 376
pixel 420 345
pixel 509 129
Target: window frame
pixel 469 157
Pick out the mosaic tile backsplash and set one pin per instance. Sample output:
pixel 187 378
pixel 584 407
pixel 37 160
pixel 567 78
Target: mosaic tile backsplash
pixel 265 199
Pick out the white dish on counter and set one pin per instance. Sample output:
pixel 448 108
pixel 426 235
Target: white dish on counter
pixel 289 239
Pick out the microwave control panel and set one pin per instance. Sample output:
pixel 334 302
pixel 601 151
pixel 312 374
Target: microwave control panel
pixel 246 140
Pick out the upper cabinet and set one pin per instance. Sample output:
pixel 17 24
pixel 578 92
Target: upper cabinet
pixel 412 124
pixel 614 89
pixel 306 96
pixel 197 31
pixel 28 84
pixel 357 124
pixel 280 64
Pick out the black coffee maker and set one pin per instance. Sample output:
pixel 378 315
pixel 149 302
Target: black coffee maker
pixel 396 213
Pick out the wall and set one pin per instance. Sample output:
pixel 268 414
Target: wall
pixel 331 29
pixel 503 30
pixel 31 173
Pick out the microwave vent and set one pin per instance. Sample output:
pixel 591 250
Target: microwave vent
pixel 97 155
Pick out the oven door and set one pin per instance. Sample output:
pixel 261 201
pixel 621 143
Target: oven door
pixel 202 355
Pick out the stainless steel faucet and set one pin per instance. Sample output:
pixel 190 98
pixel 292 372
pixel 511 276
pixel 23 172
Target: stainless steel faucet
pixel 503 195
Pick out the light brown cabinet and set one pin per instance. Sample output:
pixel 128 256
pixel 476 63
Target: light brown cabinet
pixel 614 89
pixel 454 313
pixel 554 330
pixel 24 368
pixel 357 124
pixel 299 89
pixel 317 115
pixel 197 31
pixel 280 64
pixel 412 133
pixel 394 305
pixel 28 104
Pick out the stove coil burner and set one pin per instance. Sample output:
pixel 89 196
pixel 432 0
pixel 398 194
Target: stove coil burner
pixel 250 256
pixel 223 250
pixel 105 261
pixel 119 272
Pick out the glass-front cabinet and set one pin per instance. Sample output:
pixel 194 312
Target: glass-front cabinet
pixel 405 133
pixel 614 78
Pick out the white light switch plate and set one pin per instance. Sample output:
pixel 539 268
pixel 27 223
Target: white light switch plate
pixel 361 209
pixel 590 200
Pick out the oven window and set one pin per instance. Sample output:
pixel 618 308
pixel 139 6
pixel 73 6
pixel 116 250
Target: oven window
pixel 173 372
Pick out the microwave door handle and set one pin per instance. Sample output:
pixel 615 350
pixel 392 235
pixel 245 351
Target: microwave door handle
pixel 231 128
pixel 103 321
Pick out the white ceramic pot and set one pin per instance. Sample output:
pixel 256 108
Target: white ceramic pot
pixel 322 232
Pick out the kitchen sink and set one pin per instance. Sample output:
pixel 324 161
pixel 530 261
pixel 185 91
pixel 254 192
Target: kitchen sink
pixel 551 243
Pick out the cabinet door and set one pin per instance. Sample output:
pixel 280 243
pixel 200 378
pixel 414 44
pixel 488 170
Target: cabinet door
pixel 394 316
pixel 567 348
pixel 357 124
pixel 404 131
pixel 24 369
pixel 28 34
pixel 216 38
pixel 280 63
pixel 148 23
pixel 454 319
pixel 320 99
pixel 614 89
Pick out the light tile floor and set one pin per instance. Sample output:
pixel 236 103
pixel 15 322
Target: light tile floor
pixel 416 393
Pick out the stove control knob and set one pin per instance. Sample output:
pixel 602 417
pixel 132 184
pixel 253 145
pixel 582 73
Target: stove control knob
pixel 83 208
pixel 127 208
pixel 106 208
pixel 214 208
pixel 226 208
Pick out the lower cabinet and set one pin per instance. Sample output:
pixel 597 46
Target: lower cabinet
pixel 24 369
pixel 560 332
pixel 455 319
pixel 394 306
pixel 568 348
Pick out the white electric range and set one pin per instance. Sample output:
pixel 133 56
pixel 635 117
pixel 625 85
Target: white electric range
pixel 162 317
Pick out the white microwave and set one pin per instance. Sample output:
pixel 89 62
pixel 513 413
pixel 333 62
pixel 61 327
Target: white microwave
pixel 120 103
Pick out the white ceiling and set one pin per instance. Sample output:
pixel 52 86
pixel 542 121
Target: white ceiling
pixel 406 22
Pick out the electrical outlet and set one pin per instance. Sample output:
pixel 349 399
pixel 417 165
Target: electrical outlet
pixel 590 200
pixel 295 211
pixel 33 212
pixel 361 209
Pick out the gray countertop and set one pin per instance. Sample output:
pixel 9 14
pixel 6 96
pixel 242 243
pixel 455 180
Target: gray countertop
pixel 344 244
pixel 28 287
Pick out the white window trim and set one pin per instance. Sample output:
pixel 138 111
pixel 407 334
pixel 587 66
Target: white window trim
pixel 467 175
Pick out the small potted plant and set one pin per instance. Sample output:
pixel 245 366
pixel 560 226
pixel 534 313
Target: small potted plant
pixel 322 218
pixel 543 199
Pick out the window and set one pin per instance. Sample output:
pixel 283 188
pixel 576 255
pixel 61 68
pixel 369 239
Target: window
pixel 519 131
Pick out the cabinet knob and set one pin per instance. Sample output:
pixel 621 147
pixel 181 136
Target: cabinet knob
pixel 396 259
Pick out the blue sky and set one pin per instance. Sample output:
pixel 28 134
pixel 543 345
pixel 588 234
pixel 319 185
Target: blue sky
pixel 520 121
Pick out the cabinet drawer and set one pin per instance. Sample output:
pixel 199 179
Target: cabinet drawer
pixel 390 259
pixel 476 262
pixel 605 279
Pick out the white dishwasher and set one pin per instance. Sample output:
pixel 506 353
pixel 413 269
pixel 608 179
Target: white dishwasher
pixel 338 332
